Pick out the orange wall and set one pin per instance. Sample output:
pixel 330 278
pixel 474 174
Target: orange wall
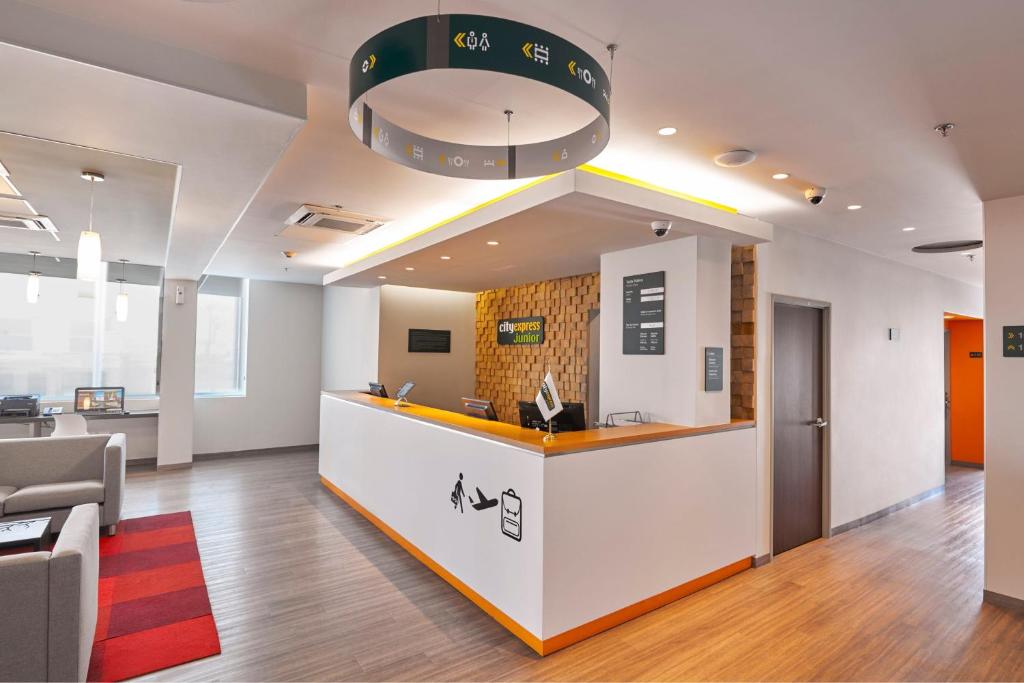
pixel 966 391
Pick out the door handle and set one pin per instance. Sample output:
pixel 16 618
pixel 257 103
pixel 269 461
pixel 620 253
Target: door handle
pixel 819 423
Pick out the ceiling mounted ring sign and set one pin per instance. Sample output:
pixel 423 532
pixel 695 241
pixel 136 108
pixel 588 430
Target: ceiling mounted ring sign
pixel 470 41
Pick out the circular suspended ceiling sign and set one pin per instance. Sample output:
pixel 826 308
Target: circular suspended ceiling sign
pixel 948 247
pixel 471 41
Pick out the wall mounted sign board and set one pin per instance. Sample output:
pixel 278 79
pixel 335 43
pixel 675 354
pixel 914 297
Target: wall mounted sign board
pixel 643 314
pixel 471 41
pixel 976 354
pixel 1013 341
pixel 430 341
pixel 714 360
pixel 519 331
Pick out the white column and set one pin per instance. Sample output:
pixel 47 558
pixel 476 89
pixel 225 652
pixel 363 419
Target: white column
pixel 177 375
pixel 1004 380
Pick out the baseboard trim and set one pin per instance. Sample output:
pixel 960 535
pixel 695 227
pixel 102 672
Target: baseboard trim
pixel 1000 600
pixel 255 451
pixel 885 512
pixel 175 466
pixel 547 645
pixel 140 462
pixel 762 560
pixel 965 463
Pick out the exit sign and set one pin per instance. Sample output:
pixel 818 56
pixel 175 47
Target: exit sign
pixel 1013 341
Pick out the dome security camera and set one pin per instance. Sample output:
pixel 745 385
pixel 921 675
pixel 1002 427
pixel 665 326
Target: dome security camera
pixel 815 195
pixel 661 228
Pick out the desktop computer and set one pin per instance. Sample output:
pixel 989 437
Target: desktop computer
pixel 571 419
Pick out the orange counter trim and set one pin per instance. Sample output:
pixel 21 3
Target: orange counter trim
pixel 562 640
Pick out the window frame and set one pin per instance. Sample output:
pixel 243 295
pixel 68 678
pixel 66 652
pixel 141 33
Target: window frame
pixel 242 344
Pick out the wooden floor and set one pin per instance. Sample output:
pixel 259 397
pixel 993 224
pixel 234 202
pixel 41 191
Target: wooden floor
pixel 303 588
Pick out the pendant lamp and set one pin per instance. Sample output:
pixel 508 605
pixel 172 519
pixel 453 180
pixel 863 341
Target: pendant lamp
pixel 121 306
pixel 89 248
pixel 32 289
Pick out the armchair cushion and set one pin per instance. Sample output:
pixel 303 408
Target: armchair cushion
pixel 47 496
pixel 5 491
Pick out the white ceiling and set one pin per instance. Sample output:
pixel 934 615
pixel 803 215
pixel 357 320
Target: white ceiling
pixel 133 207
pixel 838 94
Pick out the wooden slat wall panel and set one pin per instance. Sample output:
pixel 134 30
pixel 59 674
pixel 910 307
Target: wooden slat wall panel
pixel 744 332
pixel 508 374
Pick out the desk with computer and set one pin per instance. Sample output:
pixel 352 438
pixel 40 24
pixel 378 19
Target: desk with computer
pixel 89 402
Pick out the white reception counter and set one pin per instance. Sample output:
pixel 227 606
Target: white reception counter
pixel 556 542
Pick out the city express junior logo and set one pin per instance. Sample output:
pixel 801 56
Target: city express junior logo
pixel 521 331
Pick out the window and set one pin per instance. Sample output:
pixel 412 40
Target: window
pixel 220 338
pixel 57 344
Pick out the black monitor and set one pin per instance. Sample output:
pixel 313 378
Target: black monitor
pixel 99 400
pixel 571 419
pixel 478 407
pixel 377 389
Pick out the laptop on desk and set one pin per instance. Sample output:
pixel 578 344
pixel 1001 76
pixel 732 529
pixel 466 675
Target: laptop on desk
pixel 99 400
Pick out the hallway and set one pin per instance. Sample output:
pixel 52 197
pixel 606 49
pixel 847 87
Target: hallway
pixel 304 588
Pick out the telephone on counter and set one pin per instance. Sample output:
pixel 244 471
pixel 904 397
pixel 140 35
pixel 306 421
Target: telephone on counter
pixel 50 411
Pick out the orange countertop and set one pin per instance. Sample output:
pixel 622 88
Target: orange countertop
pixel 532 439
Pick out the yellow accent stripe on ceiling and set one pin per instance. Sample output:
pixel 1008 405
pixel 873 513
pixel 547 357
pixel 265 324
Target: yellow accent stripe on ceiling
pixel 587 168
pixel 450 219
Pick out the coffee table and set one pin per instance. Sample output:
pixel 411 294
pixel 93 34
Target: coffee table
pixel 24 532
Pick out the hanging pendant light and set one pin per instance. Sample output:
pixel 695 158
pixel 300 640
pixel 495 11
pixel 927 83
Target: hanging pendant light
pixel 121 306
pixel 32 289
pixel 89 248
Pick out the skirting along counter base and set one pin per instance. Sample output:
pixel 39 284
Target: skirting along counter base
pixel 562 640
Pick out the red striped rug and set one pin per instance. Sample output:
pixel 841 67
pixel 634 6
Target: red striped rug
pixel 154 611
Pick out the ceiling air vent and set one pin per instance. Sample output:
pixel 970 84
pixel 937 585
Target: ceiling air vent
pixel 331 223
pixel 15 221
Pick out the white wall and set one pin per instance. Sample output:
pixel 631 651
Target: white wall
pixel 442 379
pixel 177 376
pixel 886 422
pixel 281 406
pixel 669 387
pixel 1004 377
pixel 351 325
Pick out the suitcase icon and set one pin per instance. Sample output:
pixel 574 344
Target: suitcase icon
pixel 512 515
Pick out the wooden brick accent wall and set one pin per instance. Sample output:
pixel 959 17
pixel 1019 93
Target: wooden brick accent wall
pixel 508 374
pixel 744 309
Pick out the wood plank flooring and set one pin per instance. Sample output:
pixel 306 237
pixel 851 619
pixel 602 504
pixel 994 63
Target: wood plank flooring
pixel 303 588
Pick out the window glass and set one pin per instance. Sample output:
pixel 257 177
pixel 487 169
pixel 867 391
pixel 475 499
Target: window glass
pixel 218 344
pixel 130 347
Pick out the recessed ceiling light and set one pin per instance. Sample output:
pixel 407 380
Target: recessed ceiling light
pixel 909 228
pixel 855 207
pixel 735 157
pixel 493 243
pixel 948 317
pixel 446 258
pixel 779 176
pixel 382 277
pixel 667 130
pixel 409 268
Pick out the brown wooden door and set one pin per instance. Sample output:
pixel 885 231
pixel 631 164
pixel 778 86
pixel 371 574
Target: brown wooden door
pixel 797 443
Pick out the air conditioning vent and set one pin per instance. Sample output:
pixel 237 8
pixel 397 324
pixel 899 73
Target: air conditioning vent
pixel 14 221
pixel 334 218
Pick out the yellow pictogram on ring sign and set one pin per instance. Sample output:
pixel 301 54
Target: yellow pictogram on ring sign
pixel 572 67
pixel 528 50
pixel 459 39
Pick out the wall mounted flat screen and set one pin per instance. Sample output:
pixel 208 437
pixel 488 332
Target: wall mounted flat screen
pixel 99 400
pixel 430 341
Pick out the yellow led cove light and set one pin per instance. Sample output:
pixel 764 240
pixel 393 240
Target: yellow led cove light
pixel 587 168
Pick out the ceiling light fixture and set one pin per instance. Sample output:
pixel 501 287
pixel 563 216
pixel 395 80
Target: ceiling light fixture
pixel 854 207
pixel 121 305
pixel 779 176
pixel 446 258
pixel 89 247
pixel 493 243
pixel 503 47
pixel 382 277
pixel 409 268
pixel 32 288
pixel 944 129
pixel 667 130
pixel 735 157
pixel 909 228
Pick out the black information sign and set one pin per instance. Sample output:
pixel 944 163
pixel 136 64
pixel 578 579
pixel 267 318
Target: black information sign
pixel 430 341
pixel 643 314
pixel 1013 341
pixel 519 331
pixel 714 359
pixel 472 41
pixel 976 354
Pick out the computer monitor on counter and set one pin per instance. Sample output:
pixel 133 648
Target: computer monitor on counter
pixel 478 407
pixel 571 419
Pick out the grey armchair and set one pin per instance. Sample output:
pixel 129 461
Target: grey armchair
pixel 46 477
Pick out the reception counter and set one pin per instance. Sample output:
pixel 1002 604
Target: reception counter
pixel 556 541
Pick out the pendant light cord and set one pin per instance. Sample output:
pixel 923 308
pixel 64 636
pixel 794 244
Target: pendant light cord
pixel 508 127
pixel 92 199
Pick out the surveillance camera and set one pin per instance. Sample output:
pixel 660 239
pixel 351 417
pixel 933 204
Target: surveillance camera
pixel 661 228
pixel 815 195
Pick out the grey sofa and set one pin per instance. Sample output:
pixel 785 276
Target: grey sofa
pixel 50 602
pixel 46 477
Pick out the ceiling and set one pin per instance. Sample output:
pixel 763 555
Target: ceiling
pixel 133 207
pixel 843 95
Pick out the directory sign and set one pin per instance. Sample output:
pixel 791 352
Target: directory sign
pixel 714 362
pixel 1013 341
pixel 643 314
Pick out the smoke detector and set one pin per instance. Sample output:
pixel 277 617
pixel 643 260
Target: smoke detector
pixel 735 157
pixel 316 223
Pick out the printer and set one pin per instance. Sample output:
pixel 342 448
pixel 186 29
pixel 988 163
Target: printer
pixel 25 405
